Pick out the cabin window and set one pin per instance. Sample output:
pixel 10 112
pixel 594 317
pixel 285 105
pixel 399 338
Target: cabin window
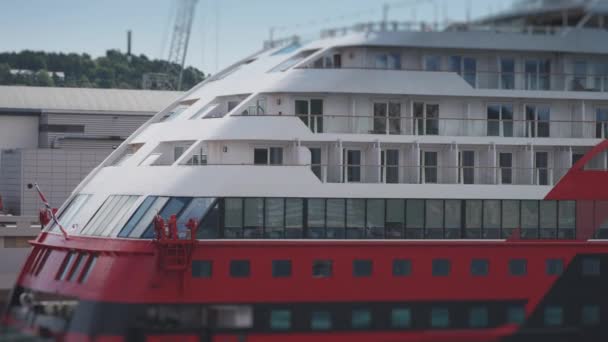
pixel 516 314
pixel 402 267
pixel 72 215
pixel 78 266
pixel 316 218
pixel 268 156
pixel 473 218
pixel 441 267
pixel 336 214
pixel 202 268
pixel 253 215
pixel 362 268
pixel 480 267
pixel 66 265
pixel 197 208
pixel 173 207
pixel 401 318
pixel 590 315
pixel 491 219
pixel 209 227
pixel 529 219
pixel 518 267
pixel 280 319
pixel 510 217
pixel 554 267
pixel 322 268
pixel 395 218
pixel 233 217
pixel 591 266
pixel 239 268
pixel 453 219
pixel 500 120
pixel 281 268
pixel 293 60
pixel 567 219
pixel 440 318
pixel 361 319
pixel 112 215
pixel 433 220
pixel 414 219
pixel 553 316
pixel 375 218
pixel 432 63
pixel 275 215
pixel 478 317
pixel 320 320
pixel 548 219
pixel 86 272
pixel 294 217
pixel 355 218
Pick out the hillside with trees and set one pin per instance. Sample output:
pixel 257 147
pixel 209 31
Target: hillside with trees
pixel 114 70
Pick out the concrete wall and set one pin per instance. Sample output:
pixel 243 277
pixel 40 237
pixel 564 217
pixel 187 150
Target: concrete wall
pixel 18 131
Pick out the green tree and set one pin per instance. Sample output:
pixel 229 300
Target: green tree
pixel 44 79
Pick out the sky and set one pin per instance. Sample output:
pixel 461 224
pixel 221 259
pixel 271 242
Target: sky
pixel 223 31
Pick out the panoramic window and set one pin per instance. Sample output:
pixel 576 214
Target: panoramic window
pixel 111 216
pixel 72 216
pixel 292 61
pixel 177 109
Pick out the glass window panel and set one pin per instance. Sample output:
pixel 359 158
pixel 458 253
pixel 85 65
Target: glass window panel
pixel 233 217
pixel 361 319
pixel 316 212
pixel 260 156
pixel 453 213
pixel 276 155
pixel 280 319
pixel 375 213
pixel 355 213
pixel 146 220
pixel 516 314
pixel 281 268
pixel 432 63
pixel 434 214
pixel 590 315
pixel 137 216
pixel 415 214
pixel 401 318
pixel 294 213
pixel 362 268
pixel 322 268
pixel 239 268
pixel 173 207
pixel 441 267
pixel 491 214
pixel 107 206
pixel 275 210
pixel 510 214
pixel 121 216
pixel 210 225
pixel 473 213
pixel 336 213
pixel 440 318
pixel 518 267
pixel 320 320
pixel 195 210
pixel 529 214
pixel 554 267
pixel 478 317
pixel 548 214
pixel 254 212
pixel 567 214
pixel 395 212
pixel 72 215
pixel 480 267
pixel 202 268
pixel 554 316
pixel 402 267
pixel 591 266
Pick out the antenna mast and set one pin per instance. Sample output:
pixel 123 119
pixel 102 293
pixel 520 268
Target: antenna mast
pixel 180 38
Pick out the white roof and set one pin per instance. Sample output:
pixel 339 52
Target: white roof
pixel 85 99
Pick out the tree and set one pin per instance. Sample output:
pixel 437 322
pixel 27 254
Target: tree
pixel 43 79
pixel 5 74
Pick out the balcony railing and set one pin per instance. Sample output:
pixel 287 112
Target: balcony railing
pixel 535 81
pixel 435 126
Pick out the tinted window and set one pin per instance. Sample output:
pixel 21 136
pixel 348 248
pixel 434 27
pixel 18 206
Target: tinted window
pixel 137 216
pixel 479 267
pixel 518 267
pixel 280 319
pixel 320 320
pixel 478 317
pixel 322 268
pixel 441 267
pixel 401 318
pixel 362 268
pixel 591 266
pixel 239 268
pixel 440 318
pixel 201 268
pixel 361 319
pixel 554 316
pixel 281 268
pixel 590 314
pixel 516 314
pixel 554 266
pixel 402 267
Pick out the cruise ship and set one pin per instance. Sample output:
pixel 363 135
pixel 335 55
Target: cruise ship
pixel 386 182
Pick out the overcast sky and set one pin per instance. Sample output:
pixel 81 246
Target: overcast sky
pixel 94 26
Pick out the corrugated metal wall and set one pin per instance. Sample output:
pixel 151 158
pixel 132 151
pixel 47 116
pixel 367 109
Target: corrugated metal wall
pixel 10 180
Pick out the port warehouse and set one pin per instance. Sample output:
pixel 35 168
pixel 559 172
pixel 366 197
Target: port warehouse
pixel 55 137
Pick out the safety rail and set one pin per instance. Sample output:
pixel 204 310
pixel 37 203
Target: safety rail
pixel 451 126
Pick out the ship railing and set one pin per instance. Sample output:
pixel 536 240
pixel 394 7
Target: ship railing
pixel 428 124
pixel 512 80
pixel 432 174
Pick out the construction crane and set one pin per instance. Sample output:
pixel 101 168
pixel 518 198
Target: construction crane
pixel 178 49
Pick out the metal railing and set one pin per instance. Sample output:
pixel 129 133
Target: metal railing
pixel 471 127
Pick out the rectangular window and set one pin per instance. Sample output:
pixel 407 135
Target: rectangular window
pixel 473 218
pixel 361 319
pixel 529 219
pixel 591 266
pixel 516 314
pixel 566 219
pixel 466 163
pixel 362 268
pixel 375 218
pixel 440 318
pixel 426 118
pixel 505 162
pixel 86 272
pixel 402 267
pixel 429 165
pixel 453 219
pixel 233 217
pixel 395 218
pixel 311 113
pixel 281 268
pixel 491 219
pixel 500 120
pixel 268 156
pixel 174 206
pixel 322 268
pixel 541 168
pixel 253 222
pixel 239 268
pixel 554 267
pixel 441 267
pixel 401 318
pixel 294 217
pixel 510 217
pixel 355 218
pixel 432 63
pixel 316 218
pixel 433 221
pixel 202 268
pixel 280 319
pixel 320 320
pixel 548 219
pixel 478 317
pixel 537 74
pixel 352 170
pixel 315 162
pixel 590 315
pixel 66 266
pixel 538 121
pixel 273 221
pixel 480 267
pixel 78 265
pixel 389 161
pixel 518 267
pixel 414 219
pixel 507 73
pixel 601 123
pixel 554 316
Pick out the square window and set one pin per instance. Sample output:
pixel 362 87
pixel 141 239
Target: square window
pixel 591 266
pixel 590 315
pixel 322 268
pixel 320 320
pixel 554 267
pixel 260 156
pixel 361 319
pixel 478 317
pixel 362 268
pixel 239 268
pixel 554 316
pixel 280 319
pixel 516 314
pixel 281 268
pixel 202 268
pixel 402 267
pixel 518 267
pixel 440 318
pixel 480 267
pixel 401 318
pixel 441 267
